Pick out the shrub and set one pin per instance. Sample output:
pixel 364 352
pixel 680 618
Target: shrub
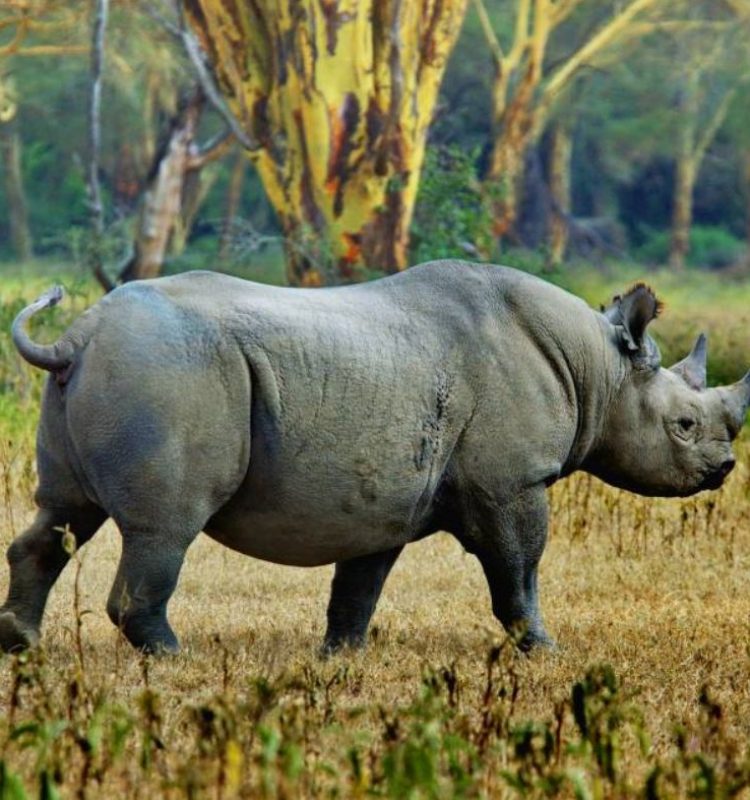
pixel 451 219
pixel 711 247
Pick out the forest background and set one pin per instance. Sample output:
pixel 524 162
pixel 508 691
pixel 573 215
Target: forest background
pixel 316 142
pixel 567 130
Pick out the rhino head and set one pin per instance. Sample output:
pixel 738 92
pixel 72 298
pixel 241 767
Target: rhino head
pixel 664 433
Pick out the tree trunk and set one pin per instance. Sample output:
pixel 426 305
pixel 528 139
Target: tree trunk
pixel 18 217
pixel 198 183
pixel 339 95
pixel 682 208
pixel 161 203
pixel 561 148
pixel 515 129
pixel 234 196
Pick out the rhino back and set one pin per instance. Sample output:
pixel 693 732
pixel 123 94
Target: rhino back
pixel 373 402
pixel 370 405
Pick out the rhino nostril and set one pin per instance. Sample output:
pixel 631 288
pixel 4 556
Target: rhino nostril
pixel 727 466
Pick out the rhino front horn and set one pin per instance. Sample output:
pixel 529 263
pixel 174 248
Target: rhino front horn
pixel 692 368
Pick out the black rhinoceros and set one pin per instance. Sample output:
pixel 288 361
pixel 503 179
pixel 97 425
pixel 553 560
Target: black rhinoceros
pixel 310 426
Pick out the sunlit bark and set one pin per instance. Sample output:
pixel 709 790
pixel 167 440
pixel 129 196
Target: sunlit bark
pixel 173 192
pixel 561 148
pixel 339 95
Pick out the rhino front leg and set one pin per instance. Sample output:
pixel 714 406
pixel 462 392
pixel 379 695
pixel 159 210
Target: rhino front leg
pixel 36 558
pixel 509 540
pixel 146 577
pixel 355 591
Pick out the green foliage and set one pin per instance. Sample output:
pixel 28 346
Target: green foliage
pixel 268 741
pixel 711 247
pixel 451 219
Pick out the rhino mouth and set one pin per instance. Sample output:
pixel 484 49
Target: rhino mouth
pixel 714 480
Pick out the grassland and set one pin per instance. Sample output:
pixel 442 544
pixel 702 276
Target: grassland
pixel 647 696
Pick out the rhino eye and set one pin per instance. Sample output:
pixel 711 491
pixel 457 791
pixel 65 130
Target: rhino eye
pixel 686 424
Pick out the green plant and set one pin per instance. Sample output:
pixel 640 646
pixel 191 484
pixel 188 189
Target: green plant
pixel 451 219
pixel 711 247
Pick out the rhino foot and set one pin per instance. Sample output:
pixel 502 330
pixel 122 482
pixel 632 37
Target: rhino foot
pixel 536 642
pixel 161 649
pixel 14 636
pixel 332 647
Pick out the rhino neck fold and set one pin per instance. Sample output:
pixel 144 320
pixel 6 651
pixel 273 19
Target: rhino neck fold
pixel 596 373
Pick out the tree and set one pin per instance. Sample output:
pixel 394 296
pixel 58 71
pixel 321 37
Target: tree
pixel 711 73
pixel 560 153
pixel 172 191
pixel 336 97
pixel 173 187
pixel 28 28
pixel 10 160
pixel 529 83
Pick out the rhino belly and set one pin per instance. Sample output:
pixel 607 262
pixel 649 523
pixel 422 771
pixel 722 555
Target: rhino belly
pixel 297 537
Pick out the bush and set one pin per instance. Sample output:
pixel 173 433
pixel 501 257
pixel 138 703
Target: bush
pixel 451 219
pixel 711 247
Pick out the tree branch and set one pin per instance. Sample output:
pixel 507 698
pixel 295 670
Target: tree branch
pixel 195 55
pixel 489 34
pixel 214 148
pixel 520 35
pixel 96 210
pixel 589 50
pixel 714 123
pixel 561 10
pixel 52 50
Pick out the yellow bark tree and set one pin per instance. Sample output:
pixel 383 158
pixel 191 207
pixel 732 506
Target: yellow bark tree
pixel 41 28
pixel 527 84
pixel 560 153
pixel 713 66
pixel 337 96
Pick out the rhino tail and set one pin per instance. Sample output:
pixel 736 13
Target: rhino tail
pixel 55 357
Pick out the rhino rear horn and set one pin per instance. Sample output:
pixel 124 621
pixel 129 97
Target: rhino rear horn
pixel 739 398
pixel 692 368
pixel 742 390
pixel 633 312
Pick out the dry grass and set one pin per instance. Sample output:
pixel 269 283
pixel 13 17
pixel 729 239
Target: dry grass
pixel 658 589
pixel 436 707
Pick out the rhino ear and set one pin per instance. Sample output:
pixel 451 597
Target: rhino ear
pixel 692 368
pixel 633 312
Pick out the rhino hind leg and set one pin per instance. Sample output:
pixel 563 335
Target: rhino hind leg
pixel 36 559
pixel 146 577
pixel 355 590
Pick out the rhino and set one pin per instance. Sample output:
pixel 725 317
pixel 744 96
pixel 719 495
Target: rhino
pixel 337 425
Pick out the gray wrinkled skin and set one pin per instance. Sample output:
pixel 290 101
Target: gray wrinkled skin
pixel 337 425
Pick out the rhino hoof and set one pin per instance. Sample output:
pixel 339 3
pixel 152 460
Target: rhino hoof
pixel 537 644
pixel 333 647
pixel 161 649
pixel 13 636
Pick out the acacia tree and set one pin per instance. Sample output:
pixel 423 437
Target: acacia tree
pixel 558 170
pixel 713 67
pixel 172 191
pixel 336 97
pixel 10 159
pixel 528 83
pixel 28 29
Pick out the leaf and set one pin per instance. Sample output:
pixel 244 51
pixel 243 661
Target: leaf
pixel 11 787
